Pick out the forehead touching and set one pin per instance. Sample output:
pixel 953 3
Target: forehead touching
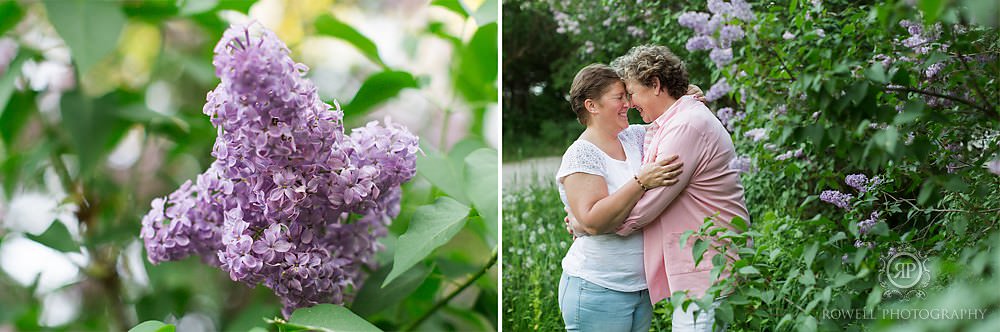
pixel 615 88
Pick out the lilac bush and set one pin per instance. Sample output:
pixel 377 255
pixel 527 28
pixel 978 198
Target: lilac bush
pixel 837 198
pixel 290 202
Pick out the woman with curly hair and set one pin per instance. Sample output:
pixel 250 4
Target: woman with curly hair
pixel 708 187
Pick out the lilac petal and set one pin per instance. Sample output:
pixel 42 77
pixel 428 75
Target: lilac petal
pixel 282 246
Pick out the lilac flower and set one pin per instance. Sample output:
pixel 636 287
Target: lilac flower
pixel 588 47
pixel 788 35
pixel 729 34
pixel 837 198
pixel 866 225
pixel 892 251
pixel 820 33
pixel 741 10
pixel 721 56
pixel 784 156
pixel 933 70
pixel 742 163
pixel 700 43
pixel 636 31
pixel 273 207
pixel 884 59
pixel 865 244
pixel 272 244
pixel 718 90
pixel 695 21
pixel 756 134
pixel 725 114
pixel 857 181
pixel 719 7
pixel 994 166
pixel 781 109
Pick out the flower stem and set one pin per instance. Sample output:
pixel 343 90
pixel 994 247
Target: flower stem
pixel 446 299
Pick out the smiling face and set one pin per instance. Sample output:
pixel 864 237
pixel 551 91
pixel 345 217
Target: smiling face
pixel 642 98
pixel 611 109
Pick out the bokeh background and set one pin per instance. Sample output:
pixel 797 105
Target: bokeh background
pixel 101 111
pixel 863 129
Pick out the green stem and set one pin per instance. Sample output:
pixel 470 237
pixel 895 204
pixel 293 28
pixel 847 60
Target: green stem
pixel 446 299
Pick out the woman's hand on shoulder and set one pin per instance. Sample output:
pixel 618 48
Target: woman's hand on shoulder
pixel 660 173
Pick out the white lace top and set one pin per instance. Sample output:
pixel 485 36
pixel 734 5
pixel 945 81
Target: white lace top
pixel 609 260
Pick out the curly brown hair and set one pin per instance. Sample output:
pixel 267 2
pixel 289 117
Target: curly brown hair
pixel 590 83
pixel 647 63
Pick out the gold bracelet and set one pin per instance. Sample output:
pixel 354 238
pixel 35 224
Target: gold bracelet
pixel 636 177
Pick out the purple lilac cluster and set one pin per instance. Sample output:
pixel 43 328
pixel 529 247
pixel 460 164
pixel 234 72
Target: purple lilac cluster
pixel 728 117
pixel 994 166
pixel 718 90
pixel 797 153
pixel 756 134
pixel 920 40
pixel 742 163
pixel 866 225
pixel 837 198
pixel 857 181
pixel 720 21
pixel 290 202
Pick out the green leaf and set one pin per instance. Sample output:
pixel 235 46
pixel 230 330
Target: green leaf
pixel 807 323
pixel 377 89
pixel 926 191
pixel 431 226
pixel 876 73
pixel 91 126
pixel 477 69
pixel 329 317
pixel 331 26
pixel 698 250
pixel 90 28
pixel 452 5
pixel 836 237
pixel 193 7
pixel 481 184
pixel 932 9
pixel 981 12
pixel 808 278
pixel 748 270
pixel 740 224
pixel 724 313
pixel 911 112
pixel 810 253
pixel 373 298
pixel 10 14
pixel 152 326
pixel 887 139
pixel 250 317
pixel 440 170
pixel 7 81
pixel 56 237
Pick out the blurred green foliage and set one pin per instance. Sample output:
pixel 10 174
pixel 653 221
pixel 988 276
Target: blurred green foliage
pixel 122 53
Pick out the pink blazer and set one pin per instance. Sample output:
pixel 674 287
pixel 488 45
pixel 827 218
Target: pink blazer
pixel 707 187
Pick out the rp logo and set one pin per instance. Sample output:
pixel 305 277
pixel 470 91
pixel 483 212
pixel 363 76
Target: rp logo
pixel 904 274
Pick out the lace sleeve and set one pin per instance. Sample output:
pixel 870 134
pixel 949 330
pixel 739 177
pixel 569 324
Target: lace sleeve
pixel 581 157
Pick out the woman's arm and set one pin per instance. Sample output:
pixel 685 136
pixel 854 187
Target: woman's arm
pixel 597 212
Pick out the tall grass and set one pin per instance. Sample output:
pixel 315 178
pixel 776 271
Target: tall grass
pixel 535 241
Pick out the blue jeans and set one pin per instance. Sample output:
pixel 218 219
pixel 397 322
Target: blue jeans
pixel 586 306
